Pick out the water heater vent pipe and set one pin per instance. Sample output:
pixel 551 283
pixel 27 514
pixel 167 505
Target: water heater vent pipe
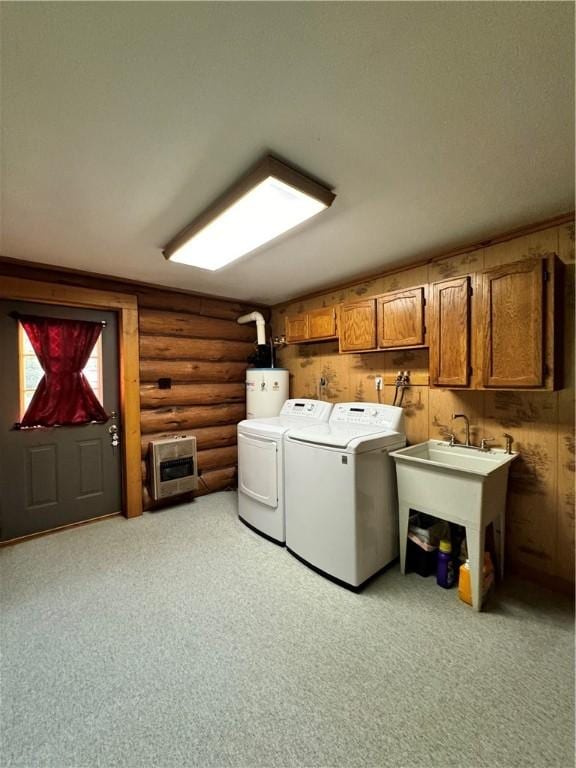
pixel 258 318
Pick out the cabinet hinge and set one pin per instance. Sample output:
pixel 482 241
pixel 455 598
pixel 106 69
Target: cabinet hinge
pixel 424 302
pixel 470 291
pixel 546 275
pixel 425 329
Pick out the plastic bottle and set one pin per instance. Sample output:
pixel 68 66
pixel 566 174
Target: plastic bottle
pixel 464 585
pixel 445 570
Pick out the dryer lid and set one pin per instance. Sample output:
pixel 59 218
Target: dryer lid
pixel 273 426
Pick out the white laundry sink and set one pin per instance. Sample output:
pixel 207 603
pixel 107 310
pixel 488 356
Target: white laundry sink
pixel 435 455
pixel 457 484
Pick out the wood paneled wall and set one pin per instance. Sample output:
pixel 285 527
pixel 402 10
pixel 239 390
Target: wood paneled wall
pixel 196 341
pixel 541 500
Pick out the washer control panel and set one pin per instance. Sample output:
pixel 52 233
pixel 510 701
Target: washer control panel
pixel 387 416
pixel 305 408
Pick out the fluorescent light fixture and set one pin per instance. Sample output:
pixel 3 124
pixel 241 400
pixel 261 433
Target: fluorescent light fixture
pixel 270 200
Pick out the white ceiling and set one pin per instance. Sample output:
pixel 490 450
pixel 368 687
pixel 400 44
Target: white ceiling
pixel 437 124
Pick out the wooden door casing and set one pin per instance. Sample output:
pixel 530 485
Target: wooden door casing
pixel 322 323
pixel 513 324
pixel 56 476
pixel 449 329
pixel 401 319
pixel 358 326
pixel 17 288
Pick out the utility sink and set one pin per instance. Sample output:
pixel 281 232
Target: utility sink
pixel 439 455
pixel 457 484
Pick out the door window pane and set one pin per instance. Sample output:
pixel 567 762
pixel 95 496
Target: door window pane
pixel 31 371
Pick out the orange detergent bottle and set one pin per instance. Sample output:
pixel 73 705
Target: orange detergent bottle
pixel 464 585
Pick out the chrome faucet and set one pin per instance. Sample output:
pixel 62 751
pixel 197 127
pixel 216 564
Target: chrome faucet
pixel 467 424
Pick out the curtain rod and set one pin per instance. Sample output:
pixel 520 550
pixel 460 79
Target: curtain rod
pixel 18 316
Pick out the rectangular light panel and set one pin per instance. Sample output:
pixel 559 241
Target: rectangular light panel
pixel 263 213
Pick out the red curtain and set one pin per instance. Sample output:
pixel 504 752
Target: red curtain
pixel 63 395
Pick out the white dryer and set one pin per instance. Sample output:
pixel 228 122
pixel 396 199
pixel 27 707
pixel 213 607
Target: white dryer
pixel 341 502
pixel 261 486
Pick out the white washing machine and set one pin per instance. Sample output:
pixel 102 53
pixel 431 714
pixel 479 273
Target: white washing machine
pixel 261 464
pixel 341 501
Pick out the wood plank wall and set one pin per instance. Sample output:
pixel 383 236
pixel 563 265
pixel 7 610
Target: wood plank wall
pixel 196 341
pixel 541 501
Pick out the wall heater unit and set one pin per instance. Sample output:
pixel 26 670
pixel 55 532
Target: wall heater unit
pixel 172 467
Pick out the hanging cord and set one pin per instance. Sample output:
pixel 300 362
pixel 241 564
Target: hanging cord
pixel 397 384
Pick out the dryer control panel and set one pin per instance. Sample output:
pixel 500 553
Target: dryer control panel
pixel 386 416
pixel 307 409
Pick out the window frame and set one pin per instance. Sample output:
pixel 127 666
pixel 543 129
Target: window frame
pixel 23 354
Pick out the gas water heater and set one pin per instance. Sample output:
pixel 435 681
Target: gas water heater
pixel 266 391
pixel 266 386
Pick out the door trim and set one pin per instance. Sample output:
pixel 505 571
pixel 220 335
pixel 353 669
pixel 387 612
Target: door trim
pixel 20 289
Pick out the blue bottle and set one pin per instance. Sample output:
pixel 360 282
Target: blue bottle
pixel 445 576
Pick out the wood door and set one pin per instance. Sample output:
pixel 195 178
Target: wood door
pixel 513 324
pixel 401 319
pixel 450 333
pixel 296 328
pixel 322 323
pixel 358 326
pixel 52 477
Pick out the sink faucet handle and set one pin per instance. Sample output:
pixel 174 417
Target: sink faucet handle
pixel 509 441
pixel 484 441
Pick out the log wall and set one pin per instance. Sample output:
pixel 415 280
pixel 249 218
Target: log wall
pixel 201 347
pixel 195 341
pixel 540 519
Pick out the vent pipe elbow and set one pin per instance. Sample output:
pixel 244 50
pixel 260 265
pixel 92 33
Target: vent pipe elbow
pixel 258 318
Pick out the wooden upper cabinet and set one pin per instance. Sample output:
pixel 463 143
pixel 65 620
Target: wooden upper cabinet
pixel 314 325
pixel 297 328
pixel 358 326
pixel 513 324
pixel 449 329
pixel 322 323
pixel 401 319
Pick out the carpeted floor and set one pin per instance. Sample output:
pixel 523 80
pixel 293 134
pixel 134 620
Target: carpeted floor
pixel 183 639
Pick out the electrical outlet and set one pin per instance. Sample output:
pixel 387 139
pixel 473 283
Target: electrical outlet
pixel 378 383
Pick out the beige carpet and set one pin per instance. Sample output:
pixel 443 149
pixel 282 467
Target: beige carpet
pixel 183 639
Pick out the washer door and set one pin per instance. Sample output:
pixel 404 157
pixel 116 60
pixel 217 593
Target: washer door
pixel 258 469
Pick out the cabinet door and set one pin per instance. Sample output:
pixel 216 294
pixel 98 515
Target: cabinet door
pixel 358 326
pixel 513 324
pixel 296 328
pixel 450 333
pixel 322 323
pixel 401 318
